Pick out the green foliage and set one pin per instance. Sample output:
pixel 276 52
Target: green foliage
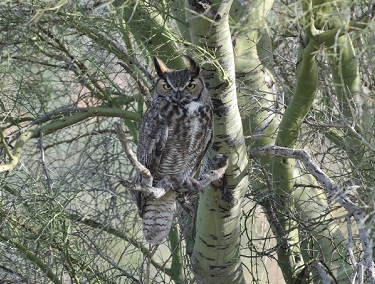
pixel 297 74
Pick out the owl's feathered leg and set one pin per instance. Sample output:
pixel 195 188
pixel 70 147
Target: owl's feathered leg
pixel 159 213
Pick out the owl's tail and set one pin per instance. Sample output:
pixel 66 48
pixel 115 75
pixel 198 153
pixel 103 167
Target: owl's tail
pixel 158 218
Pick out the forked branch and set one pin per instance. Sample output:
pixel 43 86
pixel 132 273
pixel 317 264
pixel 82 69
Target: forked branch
pixel 335 193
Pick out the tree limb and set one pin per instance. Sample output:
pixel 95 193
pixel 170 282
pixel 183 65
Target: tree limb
pixel 214 169
pixel 334 192
pixel 142 87
pixel 53 126
pixel 322 273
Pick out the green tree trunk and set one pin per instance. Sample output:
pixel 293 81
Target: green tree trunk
pixel 216 254
pixel 289 254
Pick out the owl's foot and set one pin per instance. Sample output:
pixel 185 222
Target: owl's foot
pixel 176 182
pixel 170 182
pixel 191 185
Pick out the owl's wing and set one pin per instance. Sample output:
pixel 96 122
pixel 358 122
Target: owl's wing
pixel 152 139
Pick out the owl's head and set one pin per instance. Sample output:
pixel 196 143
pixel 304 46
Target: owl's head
pixel 179 86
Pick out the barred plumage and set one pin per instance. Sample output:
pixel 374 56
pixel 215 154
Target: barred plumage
pixel 175 134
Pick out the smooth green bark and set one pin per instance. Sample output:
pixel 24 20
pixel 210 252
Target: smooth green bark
pixel 177 273
pixel 289 254
pixel 216 255
pixel 284 171
pixel 68 120
pixel 147 24
pixel 254 74
pixel 346 78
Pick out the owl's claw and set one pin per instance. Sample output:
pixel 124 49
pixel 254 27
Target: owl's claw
pixel 170 182
pixel 176 182
pixel 191 185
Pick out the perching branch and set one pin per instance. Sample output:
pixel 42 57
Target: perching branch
pixel 146 175
pixel 334 192
pixel 214 169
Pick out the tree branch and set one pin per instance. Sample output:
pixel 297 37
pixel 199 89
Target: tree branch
pixel 214 169
pixel 115 232
pixel 322 273
pixel 32 257
pixel 335 193
pixel 142 87
pixel 59 124
pixel 5 145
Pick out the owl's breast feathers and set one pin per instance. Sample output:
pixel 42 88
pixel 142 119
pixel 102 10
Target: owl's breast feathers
pixel 173 140
pixel 189 133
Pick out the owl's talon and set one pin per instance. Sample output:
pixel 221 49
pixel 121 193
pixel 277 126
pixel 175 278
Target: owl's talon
pixel 170 182
pixel 191 185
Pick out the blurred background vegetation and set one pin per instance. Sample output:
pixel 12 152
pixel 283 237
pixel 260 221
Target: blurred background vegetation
pixel 304 78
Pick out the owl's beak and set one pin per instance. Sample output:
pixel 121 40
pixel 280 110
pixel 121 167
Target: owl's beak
pixel 178 95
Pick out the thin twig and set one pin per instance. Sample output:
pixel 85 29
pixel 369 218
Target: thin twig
pixel 107 258
pixel 350 241
pixel 151 252
pixel 42 161
pixel 123 53
pixel 143 88
pixel 345 121
pixel 334 191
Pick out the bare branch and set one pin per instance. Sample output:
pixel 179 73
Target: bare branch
pixel 131 156
pixel 143 88
pixel 122 53
pixel 213 170
pixel 150 191
pixel 322 273
pixel 335 193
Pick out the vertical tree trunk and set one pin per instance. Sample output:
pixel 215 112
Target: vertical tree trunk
pixel 216 255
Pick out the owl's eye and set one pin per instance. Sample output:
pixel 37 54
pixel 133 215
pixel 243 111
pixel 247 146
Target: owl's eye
pixel 190 86
pixel 167 87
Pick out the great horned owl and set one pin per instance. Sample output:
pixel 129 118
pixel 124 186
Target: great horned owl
pixel 176 132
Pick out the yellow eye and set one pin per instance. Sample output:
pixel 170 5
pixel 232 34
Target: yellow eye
pixel 190 86
pixel 167 87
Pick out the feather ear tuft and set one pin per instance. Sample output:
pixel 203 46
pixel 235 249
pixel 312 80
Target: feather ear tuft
pixel 160 67
pixel 191 65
